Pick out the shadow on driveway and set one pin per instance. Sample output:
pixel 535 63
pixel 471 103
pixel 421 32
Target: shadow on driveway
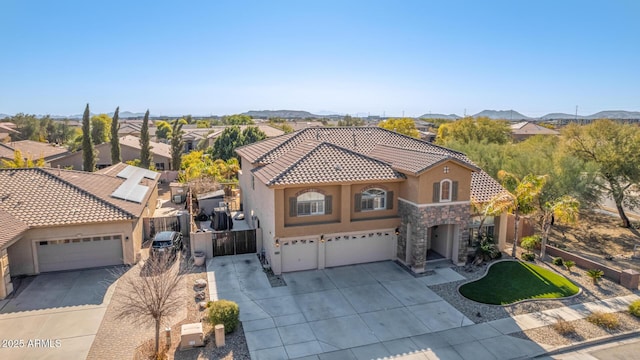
pixel 61 289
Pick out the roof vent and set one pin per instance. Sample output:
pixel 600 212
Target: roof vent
pixel 337 167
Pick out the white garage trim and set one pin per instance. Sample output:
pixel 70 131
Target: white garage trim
pixel 78 253
pixel 361 247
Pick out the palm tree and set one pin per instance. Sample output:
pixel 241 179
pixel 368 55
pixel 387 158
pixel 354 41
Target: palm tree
pixel 563 210
pixel 524 193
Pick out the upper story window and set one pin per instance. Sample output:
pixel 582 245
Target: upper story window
pixel 445 190
pixel 310 203
pixel 373 199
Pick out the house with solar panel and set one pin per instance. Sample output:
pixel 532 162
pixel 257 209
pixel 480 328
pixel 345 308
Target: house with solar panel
pixel 326 197
pixel 54 219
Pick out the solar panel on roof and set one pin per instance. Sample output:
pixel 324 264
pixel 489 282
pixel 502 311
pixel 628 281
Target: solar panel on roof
pixel 130 189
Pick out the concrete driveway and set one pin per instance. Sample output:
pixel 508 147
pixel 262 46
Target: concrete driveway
pixel 56 316
pixel 353 312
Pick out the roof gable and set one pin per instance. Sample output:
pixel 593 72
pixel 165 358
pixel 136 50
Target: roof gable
pixel 414 161
pixel 316 162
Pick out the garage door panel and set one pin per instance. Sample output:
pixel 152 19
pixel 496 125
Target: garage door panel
pixel 346 251
pixel 298 255
pixel 69 254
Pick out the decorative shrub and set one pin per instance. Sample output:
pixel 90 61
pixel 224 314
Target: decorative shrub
pixel 487 248
pixel 604 320
pixel 564 327
pixel 634 308
pixel 595 275
pixel 224 312
pixel 528 256
pixel 530 242
pixel 569 264
pixel 557 261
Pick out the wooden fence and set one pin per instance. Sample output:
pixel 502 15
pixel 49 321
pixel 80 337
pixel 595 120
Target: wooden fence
pixel 234 242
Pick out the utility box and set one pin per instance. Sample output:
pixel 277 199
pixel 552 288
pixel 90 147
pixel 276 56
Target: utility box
pixel 191 336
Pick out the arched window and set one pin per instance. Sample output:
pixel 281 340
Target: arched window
pixel 310 203
pixel 373 199
pixel 445 190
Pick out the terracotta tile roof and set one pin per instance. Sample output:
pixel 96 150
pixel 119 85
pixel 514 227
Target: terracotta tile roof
pixel 38 198
pixel 529 128
pixel 33 149
pixel 363 140
pixel 413 161
pixel 102 185
pixel 321 162
pixel 11 228
pixel 156 147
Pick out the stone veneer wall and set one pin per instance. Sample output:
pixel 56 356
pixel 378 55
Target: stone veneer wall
pixel 421 219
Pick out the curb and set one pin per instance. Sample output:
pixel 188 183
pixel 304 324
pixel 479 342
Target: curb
pixel 592 342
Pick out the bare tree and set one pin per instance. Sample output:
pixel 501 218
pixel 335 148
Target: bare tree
pixel 150 293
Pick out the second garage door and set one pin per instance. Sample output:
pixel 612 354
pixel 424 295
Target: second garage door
pixel 80 253
pixel 356 249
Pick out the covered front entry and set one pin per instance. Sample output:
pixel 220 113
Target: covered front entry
pixel 79 253
pixel 440 243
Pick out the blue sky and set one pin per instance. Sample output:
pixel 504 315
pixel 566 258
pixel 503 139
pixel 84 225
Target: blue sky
pixel 224 57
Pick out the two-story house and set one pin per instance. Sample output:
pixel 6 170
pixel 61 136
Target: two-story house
pixel 327 197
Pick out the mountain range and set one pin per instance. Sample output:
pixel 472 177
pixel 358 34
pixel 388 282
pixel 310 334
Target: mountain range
pixel 511 115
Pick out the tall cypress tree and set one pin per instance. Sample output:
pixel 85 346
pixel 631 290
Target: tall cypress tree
pixel 115 141
pixel 177 144
pixel 88 153
pixel 145 148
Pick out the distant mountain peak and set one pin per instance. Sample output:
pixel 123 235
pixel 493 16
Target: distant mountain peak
pixel 439 116
pixel 510 115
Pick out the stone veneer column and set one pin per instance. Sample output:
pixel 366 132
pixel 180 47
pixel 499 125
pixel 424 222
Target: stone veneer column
pixel 421 219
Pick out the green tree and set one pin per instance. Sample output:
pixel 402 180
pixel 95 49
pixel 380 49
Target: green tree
pixel 28 127
pixel 88 152
pixel 524 194
pixel 177 144
pixel 202 124
pixel 470 129
pixel 237 119
pixel 145 147
pixel 224 146
pixel 350 121
pixel 163 130
pixel 19 161
pixel 100 128
pixel 115 140
pixel 613 150
pixel 252 134
pixel 563 210
pixel 404 126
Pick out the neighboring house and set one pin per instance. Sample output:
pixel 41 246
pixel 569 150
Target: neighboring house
pixel 336 196
pixel 6 129
pixel 129 151
pixel 525 129
pixel 55 219
pixel 34 150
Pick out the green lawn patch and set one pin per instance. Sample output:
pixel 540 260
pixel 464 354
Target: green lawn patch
pixel 507 282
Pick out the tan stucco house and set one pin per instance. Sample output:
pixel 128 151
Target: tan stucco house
pixel 55 219
pixel 33 150
pixel 129 150
pixel 335 196
pixel 526 129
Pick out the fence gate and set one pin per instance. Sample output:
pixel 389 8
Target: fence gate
pixel 154 225
pixel 234 242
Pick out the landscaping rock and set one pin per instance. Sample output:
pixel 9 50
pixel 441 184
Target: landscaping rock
pixel 200 296
pixel 202 305
pixel 200 284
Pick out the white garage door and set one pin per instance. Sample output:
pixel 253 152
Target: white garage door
pixel 80 253
pixel 355 249
pixel 299 255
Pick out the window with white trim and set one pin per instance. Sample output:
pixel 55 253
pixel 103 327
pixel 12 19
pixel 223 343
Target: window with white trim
pixel 373 199
pixel 445 190
pixel 310 203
